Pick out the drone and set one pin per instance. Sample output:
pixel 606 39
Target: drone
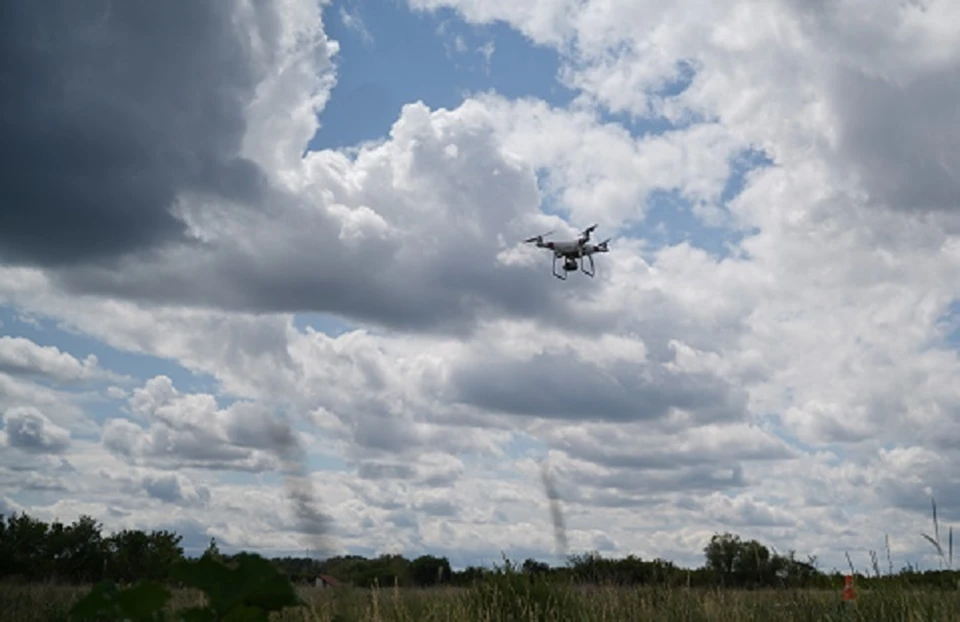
pixel 572 251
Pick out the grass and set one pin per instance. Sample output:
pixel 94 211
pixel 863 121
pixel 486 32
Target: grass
pixel 514 598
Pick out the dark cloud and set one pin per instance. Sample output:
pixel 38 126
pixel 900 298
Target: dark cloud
pixel 616 451
pixel 12 479
pixel 904 140
pixel 377 471
pixel 564 386
pixel 897 122
pixel 439 507
pixel 30 430
pixel 170 488
pixel 107 111
pixel 169 447
pixel 637 485
pixel 906 486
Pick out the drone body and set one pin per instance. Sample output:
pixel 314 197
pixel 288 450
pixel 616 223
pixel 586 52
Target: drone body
pixel 572 252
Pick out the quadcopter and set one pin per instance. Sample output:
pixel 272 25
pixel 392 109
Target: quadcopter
pixel 572 251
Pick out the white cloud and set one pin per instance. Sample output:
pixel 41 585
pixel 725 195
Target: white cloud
pixel 191 430
pixel 353 21
pixel 19 355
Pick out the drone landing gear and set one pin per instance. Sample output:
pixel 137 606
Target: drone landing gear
pixel 562 275
pixel 583 266
pixel 570 265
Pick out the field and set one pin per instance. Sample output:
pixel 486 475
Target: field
pixel 501 599
pixel 134 575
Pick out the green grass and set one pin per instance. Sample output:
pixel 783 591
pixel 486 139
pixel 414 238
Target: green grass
pixel 511 597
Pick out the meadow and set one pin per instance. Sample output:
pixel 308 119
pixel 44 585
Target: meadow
pixel 63 572
pixel 516 598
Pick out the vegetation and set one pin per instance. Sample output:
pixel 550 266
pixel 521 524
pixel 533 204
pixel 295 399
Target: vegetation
pixel 47 571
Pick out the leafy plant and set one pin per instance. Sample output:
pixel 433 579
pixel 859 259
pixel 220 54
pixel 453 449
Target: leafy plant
pixel 143 602
pixel 247 589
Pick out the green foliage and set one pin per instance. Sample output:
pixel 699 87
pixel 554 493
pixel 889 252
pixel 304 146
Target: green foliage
pixel 247 589
pixel 78 553
pixel 749 564
pixel 143 602
pixel 428 570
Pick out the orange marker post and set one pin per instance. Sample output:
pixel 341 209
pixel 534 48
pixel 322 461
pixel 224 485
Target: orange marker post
pixel 848 593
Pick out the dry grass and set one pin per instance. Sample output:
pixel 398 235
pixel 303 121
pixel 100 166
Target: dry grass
pixel 512 599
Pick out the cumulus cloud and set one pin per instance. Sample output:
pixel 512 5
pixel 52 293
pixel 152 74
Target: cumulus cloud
pixel 173 488
pixel 19 355
pixel 191 429
pixel 30 430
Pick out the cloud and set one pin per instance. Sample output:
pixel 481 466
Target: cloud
pixel 114 112
pixel 890 66
pixel 562 385
pixel 30 430
pixel 420 242
pixel 21 356
pixel 352 20
pixel 191 429
pixel 923 175
pixel 174 488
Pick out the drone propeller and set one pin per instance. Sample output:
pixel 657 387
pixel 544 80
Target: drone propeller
pixel 585 235
pixel 603 245
pixel 537 237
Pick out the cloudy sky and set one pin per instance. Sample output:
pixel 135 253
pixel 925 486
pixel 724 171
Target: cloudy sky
pixel 224 218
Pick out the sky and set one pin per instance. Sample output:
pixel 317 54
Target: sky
pixel 262 276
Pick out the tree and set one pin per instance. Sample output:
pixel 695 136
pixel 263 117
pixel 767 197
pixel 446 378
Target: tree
pixel 535 568
pixel 212 551
pixel 429 570
pixel 26 547
pixel 721 554
pixel 82 553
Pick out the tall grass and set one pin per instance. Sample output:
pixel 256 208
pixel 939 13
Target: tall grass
pixel 514 596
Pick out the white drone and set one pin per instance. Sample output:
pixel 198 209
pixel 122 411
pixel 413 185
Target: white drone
pixel 571 252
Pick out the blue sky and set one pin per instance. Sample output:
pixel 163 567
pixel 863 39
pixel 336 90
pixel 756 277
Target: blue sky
pixel 402 56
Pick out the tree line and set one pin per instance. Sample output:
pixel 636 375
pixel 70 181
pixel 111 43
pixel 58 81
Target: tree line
pixel 35 551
